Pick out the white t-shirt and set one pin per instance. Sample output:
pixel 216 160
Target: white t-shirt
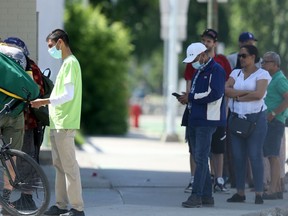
pixel 249 83
pixel 14 53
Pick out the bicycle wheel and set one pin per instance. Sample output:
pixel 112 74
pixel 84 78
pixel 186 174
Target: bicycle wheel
pixel 29 192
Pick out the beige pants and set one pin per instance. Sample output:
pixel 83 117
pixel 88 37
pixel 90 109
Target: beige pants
pixel 68 182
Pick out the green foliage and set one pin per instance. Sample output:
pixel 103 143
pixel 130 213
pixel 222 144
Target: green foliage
pixel 103 50
pixel 142 17
pixel 266 19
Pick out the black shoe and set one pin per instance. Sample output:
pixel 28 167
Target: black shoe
pixel 237 198
pixel 25 202
pixel 54 210
pixel 192 202
pixel 272 196
pixel 258 199
pixel 208 201
pixel 73 212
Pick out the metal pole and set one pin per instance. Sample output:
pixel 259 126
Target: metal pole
pixel 171 103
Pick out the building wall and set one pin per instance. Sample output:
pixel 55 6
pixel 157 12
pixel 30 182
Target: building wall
pixel 32 21
pixel 18 18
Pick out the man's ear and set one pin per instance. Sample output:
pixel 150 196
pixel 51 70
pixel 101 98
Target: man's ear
pixel 60 43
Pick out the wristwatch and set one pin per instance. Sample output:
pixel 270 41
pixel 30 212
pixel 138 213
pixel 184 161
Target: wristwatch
pixel 273 113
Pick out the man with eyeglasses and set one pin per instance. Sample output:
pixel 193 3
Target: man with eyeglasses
pixel 206 106
pixel 277 104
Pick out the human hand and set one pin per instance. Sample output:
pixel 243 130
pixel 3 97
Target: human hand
pixel 183 99
pixel 38 103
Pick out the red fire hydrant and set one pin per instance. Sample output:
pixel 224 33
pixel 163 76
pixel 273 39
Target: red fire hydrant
pixel 135 114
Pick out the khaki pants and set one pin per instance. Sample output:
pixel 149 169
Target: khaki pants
pixel 68 183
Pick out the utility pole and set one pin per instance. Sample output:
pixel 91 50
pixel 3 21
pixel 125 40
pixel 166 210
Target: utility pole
pixel 212 12
pixel 173 30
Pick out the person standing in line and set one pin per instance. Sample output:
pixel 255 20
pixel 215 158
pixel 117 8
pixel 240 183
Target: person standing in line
pixel 246 89
pixel 209 38
pixel 64 114
pixel 277 104
pixel 245 38
pixel 206 107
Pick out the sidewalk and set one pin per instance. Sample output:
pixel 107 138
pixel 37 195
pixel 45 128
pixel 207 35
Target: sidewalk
pixel 140 175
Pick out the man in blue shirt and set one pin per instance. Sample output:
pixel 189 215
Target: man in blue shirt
pixel 206 106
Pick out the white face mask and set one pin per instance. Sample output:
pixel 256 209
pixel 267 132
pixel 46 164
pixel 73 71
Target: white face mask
pixel 197 65
pixel 55 53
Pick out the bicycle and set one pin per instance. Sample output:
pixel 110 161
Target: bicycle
pixel 30 193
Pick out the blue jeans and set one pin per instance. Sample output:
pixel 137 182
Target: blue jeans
pixel 252 148
pixel 200 140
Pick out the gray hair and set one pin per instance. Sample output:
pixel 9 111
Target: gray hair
pixel 274 57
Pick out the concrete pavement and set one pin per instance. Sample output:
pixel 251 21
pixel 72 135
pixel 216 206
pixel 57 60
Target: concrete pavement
pixel 140 175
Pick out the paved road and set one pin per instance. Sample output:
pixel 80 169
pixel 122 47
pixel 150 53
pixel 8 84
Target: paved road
pixel 140 175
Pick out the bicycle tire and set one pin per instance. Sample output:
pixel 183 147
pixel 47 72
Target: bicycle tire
pixel 30 183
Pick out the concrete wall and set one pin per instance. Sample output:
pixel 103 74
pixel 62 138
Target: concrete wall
pixel 19 19
pixel 32 21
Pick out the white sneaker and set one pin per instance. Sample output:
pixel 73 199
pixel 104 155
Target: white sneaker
pixel 219 186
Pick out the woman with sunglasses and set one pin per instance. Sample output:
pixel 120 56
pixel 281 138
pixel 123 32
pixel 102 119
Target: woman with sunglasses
pixel 246 89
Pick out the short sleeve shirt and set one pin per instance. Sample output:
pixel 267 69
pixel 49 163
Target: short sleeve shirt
pixel 248 107
pixel 275 91
pixel 67 115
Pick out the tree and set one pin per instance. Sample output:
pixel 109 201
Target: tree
pixel 266 19
pixel 103 50
pixel 142 17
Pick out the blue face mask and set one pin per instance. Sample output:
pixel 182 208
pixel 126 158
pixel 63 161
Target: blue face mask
pixel 55 53
pixel 197 65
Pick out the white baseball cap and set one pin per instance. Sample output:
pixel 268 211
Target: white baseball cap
pixel 193 51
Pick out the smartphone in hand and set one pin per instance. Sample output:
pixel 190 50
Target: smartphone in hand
pixel 176 94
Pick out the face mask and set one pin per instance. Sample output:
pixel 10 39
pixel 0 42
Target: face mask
pixel 57 54
pixel 197 65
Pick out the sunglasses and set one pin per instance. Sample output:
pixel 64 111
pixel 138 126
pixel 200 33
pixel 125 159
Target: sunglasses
pixel 242 55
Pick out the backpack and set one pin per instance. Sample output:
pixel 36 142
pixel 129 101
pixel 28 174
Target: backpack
pixel 15 83
pixel 42 113
pixel 47 83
